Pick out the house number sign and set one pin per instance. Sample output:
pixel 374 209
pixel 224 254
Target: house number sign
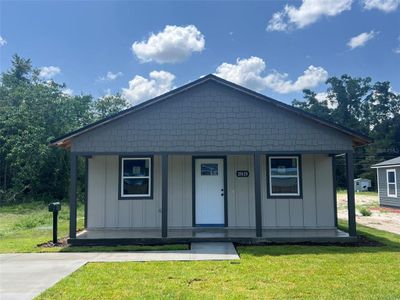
pixel 242 173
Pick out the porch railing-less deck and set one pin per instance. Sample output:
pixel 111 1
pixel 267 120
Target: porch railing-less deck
pixel 187 235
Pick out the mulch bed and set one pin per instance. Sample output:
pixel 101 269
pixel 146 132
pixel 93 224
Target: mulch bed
pixel 60 243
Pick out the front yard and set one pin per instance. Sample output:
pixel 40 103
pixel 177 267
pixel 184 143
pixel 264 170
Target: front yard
pixel 272 272
pixel 294 271
pixel 23 227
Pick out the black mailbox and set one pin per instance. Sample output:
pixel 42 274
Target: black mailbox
pixel 55 206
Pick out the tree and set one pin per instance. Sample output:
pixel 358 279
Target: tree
pixel 373 109
pixel 109 105
pixel 32 112
pixel 312 105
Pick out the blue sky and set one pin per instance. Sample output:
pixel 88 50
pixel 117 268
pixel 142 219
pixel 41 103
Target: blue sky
pixel 262 45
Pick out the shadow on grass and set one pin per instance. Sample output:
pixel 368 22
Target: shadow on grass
pixel 372 241
pixel 124 248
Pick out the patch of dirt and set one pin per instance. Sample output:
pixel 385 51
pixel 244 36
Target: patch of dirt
pixel 382 218
pixel 60 243
pixel 191 281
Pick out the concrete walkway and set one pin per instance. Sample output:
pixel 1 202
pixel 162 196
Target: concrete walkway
pixel 24 276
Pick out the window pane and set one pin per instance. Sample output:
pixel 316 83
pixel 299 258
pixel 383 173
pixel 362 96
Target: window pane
pixel 136 167
pixel 283 166
pixel 284 185
pixel 391 177
pixel 138 186
pixel 392 189
pixel 209 169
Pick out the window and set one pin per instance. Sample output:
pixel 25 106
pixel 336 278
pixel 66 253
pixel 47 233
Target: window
pixel 391 183
pixel 284 176
pixel 135 177
pixel 209 169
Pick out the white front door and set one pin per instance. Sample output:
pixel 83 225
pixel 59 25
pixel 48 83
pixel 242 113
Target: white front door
pixel 209 192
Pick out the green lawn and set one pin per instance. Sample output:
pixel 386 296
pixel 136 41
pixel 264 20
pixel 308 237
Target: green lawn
pixel 24 226
pixel 274 272
pixel 344 192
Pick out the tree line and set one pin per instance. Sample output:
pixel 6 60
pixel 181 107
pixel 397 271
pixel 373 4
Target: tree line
pixel 34 111
pixel 371 108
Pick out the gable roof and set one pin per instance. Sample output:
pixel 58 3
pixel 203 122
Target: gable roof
pixel 359 139
pixel 394 162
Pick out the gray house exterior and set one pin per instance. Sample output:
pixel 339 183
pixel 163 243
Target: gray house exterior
pixel 388 181
pixel 211 161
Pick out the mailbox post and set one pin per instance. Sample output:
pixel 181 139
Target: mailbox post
pixel 55 207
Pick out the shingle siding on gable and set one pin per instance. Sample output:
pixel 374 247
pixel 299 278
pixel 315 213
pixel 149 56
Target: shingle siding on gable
pixel 211 117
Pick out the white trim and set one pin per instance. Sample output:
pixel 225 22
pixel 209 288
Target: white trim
pixel 135 177
pixel 386 166
pixel 395 183
pixel 284 176
pixel 377 182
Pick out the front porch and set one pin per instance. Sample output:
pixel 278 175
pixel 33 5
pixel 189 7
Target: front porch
pixel 188 235
pixel 170 213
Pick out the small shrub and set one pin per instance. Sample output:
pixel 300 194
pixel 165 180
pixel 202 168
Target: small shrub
pixel 365 212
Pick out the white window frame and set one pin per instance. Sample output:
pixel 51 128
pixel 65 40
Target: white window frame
pixel 388 183
pixel 270 176
pixel 149 177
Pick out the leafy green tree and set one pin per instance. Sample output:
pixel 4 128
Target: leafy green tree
pixel 312 105
pixel 371 108
pixel 109 105
pixel 32 112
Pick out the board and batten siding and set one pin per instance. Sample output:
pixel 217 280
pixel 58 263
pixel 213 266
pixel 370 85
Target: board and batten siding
pixel 314 210
pixel 104 208
pixel 382 180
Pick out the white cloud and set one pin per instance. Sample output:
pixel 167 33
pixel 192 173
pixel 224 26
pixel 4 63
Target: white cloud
pixel 49 72
pixel 141 89
pixel 397 49
pixel 2 41
pixel 323 96
pixel 361 39
pixel 111 76
pixel 68 92
pixel 310 11
pixel 248 72
pixel 173 44
pixel 383 5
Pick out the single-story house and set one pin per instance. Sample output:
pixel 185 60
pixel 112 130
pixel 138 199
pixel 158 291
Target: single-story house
pixel 210 161
pixel 388 175
pixel 362 184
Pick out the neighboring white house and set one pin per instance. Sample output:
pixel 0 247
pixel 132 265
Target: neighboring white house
pixel 362 184
pixel 388 174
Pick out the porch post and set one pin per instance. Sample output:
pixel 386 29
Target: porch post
pixel 333 156
pixel 72 196
pixel 350 193
pixel 86 189
pixel 164 196
pixel 257 189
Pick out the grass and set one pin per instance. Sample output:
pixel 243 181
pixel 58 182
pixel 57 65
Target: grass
pixel 24 226
pixel 344 192
pixel 267 272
